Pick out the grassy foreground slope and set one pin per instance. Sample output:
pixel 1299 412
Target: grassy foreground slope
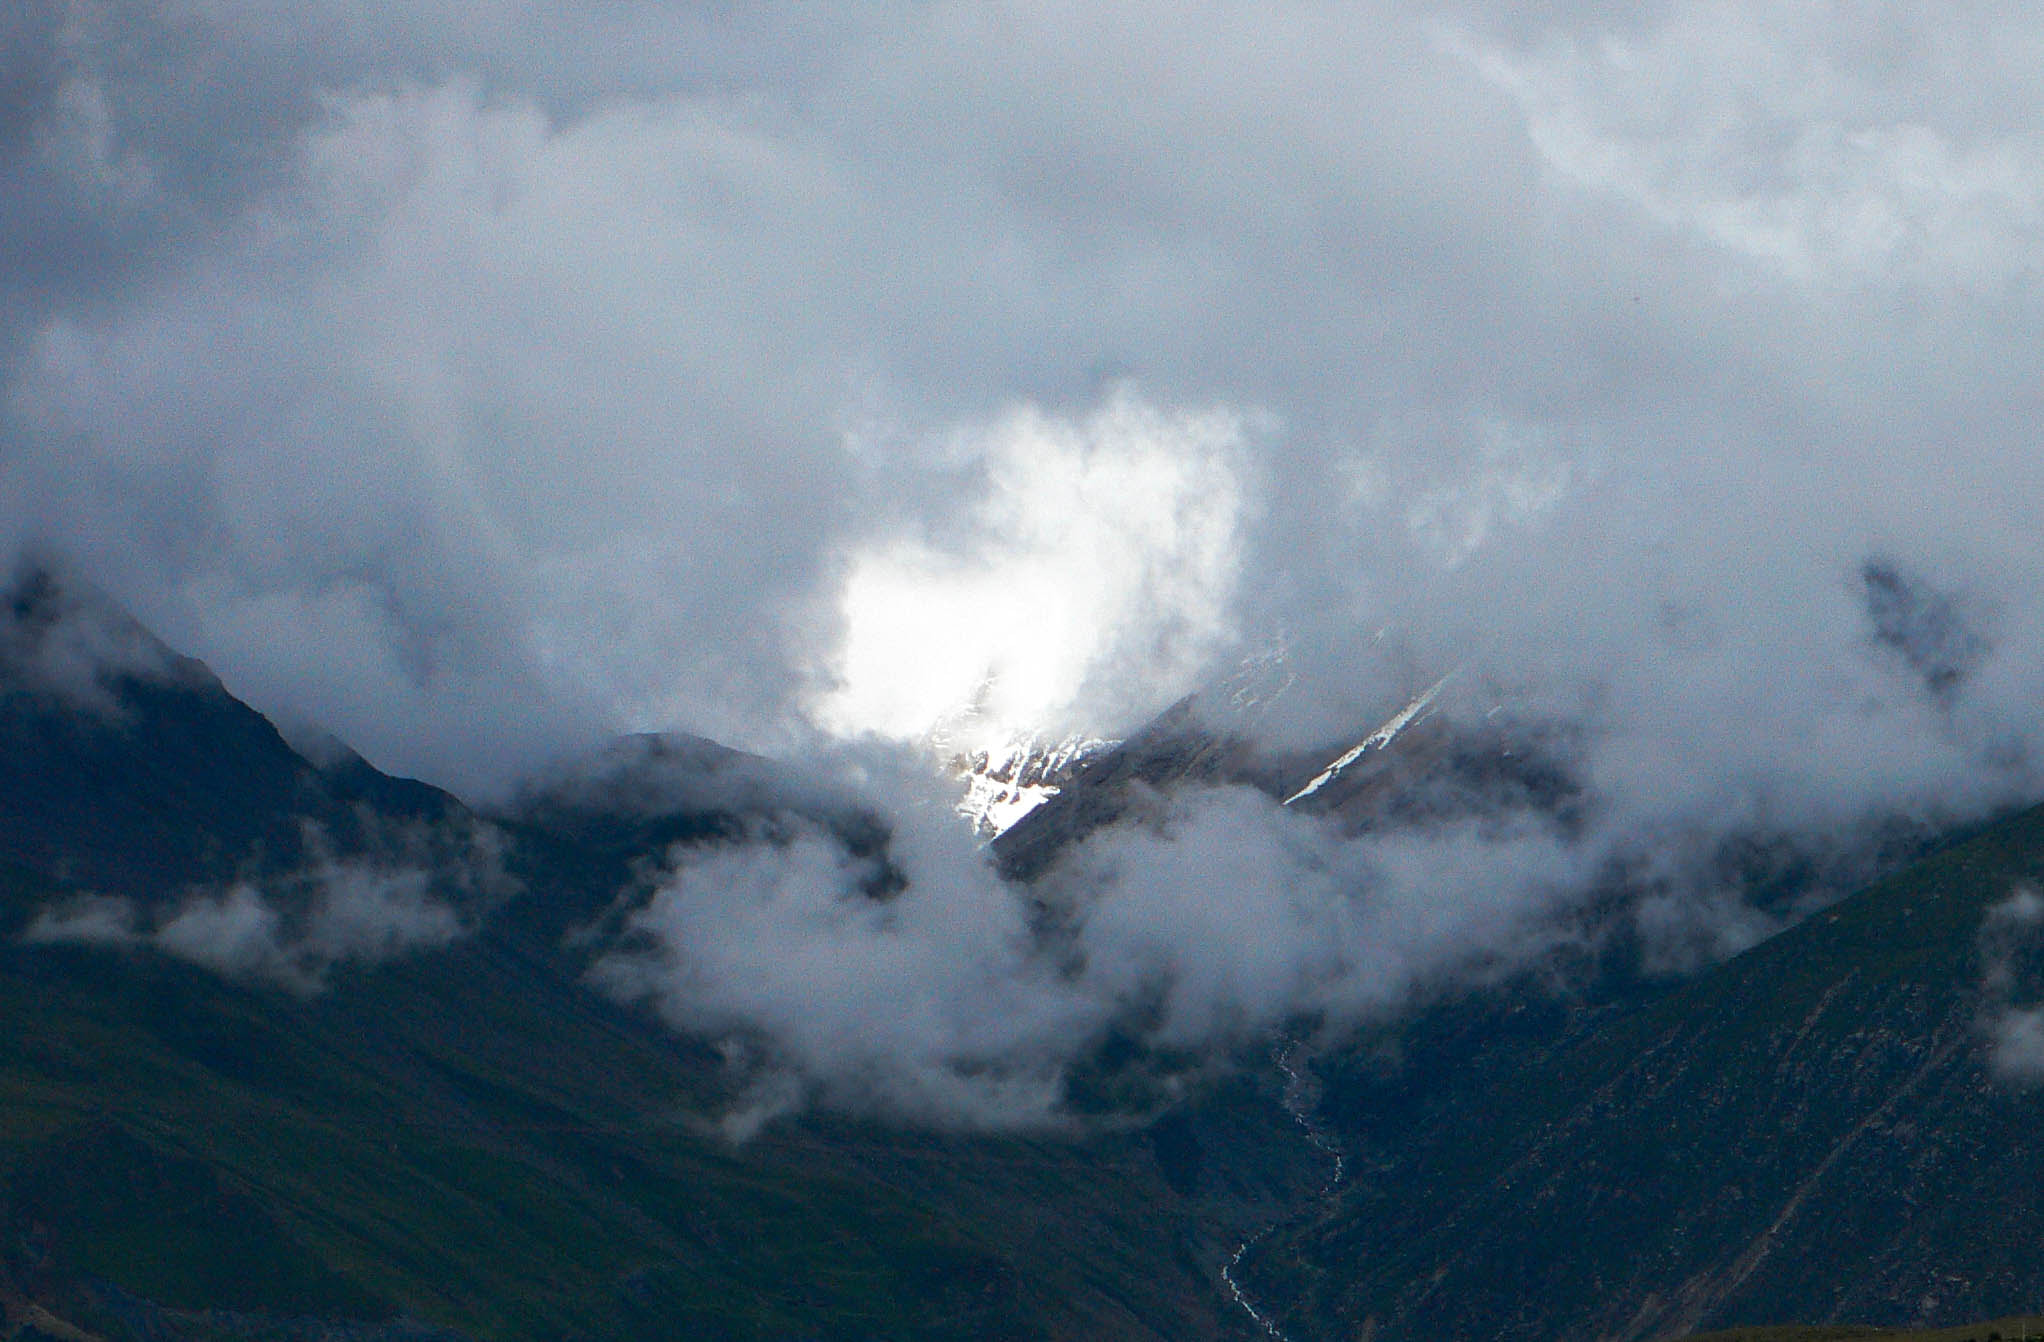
pixel 1809 1132
pixel 471 1141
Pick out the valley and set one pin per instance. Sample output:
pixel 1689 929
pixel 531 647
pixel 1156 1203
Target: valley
pixel 335 1135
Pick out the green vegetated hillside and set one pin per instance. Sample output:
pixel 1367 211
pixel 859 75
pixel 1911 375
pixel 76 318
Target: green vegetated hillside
pixel 470 1140
pixel 467 1141
pixel 1808 1133
pixel 2024 1328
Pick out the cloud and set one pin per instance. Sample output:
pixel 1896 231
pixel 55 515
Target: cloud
pixel 960 998
pixel 2016 1050
pixel 89 920
pixel 1095 573
pixel 363 915
pixel 1784 139
pixel 2015 1034
pixel 930 1003
pixel 553 409
pixel 1231 914
pixel 482 380
pixel 291 929
pixel 69 644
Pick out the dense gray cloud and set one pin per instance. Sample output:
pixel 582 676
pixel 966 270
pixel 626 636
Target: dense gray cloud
pixel 479 380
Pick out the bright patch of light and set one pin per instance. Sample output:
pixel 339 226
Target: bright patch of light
pixel 1094 581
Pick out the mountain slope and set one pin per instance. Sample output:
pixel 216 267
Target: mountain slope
pixel 131 771
pixel 464 1139
pixel 471 1140
pixel 1415 768
pixel 453 1136
pixel 1808 1132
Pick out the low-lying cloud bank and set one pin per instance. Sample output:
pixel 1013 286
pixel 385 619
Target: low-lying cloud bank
pixel 291 929
pixel 2010 942
pixel 545 371
pixel 916 982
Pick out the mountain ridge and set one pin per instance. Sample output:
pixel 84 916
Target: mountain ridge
pixel 463 1140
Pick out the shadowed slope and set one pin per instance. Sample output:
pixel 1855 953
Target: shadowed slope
pixel 1810 1131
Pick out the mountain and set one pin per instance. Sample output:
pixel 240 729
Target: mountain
pixel 1415 768
pixel 130 770
pixel 1004 783
pixel 2021 1328
pixel 293 1049
pixel 1814 1131
pixel 1809 1132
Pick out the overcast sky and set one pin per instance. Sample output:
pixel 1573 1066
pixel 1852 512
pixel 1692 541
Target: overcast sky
pixel 479 379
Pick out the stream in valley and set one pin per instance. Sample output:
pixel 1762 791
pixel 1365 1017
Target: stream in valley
pixel 1301 1099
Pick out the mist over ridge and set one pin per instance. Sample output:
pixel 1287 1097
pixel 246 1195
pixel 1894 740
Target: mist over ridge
pixel 479 383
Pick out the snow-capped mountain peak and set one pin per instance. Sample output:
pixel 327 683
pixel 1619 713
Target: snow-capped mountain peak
pixel 1008 781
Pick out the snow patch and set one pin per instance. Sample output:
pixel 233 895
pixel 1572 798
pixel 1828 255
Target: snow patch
pixel 1008 782
pixel 1376 740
